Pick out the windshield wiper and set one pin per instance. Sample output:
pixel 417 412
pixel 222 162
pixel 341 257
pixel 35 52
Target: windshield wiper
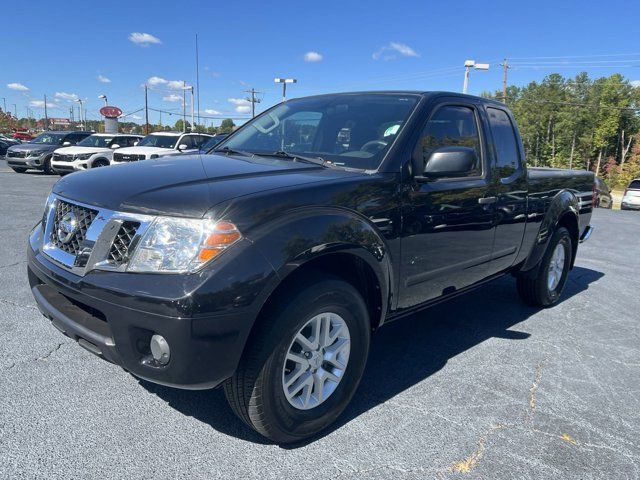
pixel 295 156
pixel 231 151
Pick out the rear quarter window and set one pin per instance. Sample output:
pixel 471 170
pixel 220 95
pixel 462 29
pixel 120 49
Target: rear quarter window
pixel 635 184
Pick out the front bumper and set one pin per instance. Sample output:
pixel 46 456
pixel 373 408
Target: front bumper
pixel 627 205
pixel 117 326
pixel 75 166
pixel 28 162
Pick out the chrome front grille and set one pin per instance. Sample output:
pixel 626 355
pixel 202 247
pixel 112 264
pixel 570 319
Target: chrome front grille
pixel 17 154
pixel 122 245
pixel 83 218
pixel 102 239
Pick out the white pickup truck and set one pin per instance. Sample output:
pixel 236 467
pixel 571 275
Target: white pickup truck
pixel 94 151
pixel 161 144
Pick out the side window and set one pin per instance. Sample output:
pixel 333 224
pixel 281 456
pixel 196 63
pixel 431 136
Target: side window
pixel 450 126
pixel 128 141
pixel 187 140
pixel 505 141
pixel 76 137
pixel 201 140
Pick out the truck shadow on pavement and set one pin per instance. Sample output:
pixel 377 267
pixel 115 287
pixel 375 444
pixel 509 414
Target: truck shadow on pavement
pixel 402 354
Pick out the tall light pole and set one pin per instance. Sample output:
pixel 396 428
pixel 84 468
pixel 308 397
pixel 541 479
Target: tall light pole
pixel 4 102
pixel 284 82
pixel 468 65
pixel 104 97
pixel 79 100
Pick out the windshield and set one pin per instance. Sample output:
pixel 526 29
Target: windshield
pixel 161 141
pixel 95 141
pixel 213 141
pixel 353 131
pixel 48 138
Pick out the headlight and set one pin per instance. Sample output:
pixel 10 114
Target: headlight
pixel 175 245
pixel 48 205
pixel 82 156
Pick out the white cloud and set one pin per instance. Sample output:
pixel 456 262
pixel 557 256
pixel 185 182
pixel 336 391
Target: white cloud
pixel 393 50
pixel 211 111
pixel 171 84
pixel 17 86
pixel 635 83
pixel 242 105
pixel 71 97
pixel 40 104
pixel 135 117
pixel 312 57
pixel 103 79
pixel 143 39
pixel 172 98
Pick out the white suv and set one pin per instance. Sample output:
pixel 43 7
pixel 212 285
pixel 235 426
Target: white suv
pixel 94 151
pixel 162 144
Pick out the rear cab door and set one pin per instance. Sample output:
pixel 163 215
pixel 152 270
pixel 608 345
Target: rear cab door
pixel 509 186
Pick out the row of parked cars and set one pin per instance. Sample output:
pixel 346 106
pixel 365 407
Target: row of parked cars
pixel 64 152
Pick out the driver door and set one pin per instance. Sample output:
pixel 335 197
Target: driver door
pixel 448 230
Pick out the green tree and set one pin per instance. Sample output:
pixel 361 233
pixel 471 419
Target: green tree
pixel 226 126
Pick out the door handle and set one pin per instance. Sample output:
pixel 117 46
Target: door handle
pixel 487 200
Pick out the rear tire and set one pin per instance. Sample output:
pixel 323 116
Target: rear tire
pixel 263 392
pixel 19 169
pixel 100 162
pixel 545 287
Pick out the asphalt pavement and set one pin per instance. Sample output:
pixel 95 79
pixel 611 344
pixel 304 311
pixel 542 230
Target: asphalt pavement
pixel 479 387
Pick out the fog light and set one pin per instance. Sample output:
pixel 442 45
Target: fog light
pixel 160 349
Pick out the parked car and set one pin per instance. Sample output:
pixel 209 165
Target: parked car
pixel 267 265
pixel 213 141
pixel 631 197
pixel 37 153
pixel 5 143
pixel 161 144
pixel 603 198
pixel 94 151
pixel 23 136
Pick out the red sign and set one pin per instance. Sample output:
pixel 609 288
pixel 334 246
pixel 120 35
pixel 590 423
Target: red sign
pixel 110 112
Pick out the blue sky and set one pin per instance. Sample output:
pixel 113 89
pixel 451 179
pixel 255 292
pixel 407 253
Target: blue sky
pixel 65 48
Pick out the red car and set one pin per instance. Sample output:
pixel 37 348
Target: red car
pixel 24 136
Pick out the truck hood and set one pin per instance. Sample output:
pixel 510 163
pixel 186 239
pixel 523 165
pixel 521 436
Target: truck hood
pixel 188 185
pixel 33 147
pixel 75 150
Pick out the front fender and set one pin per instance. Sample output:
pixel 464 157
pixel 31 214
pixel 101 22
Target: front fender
pixel 565 201
pixel 309 233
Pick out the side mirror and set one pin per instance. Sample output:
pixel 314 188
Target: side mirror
pixel 66 144
pixel 450 162
pixel 114 146
pixel 135 143
pixel 182 146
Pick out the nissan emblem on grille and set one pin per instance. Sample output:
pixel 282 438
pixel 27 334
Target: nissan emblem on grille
pixel 67 227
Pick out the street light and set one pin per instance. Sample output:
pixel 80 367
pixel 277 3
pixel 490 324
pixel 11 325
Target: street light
pixel 284 82
pixel 103 97
pixel 468 65
pixel 190 87
pixel 79 100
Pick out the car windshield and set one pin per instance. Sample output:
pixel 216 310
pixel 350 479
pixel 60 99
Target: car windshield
pixel 161 141
pixel 49 138
pixel 95 141
pixel 213 141
pixel 352 130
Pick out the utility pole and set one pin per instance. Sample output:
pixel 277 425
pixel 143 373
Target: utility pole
pixel 184 106
pixel 146 112
pixel 82 117
pixel 253 101
pixel 4 102
pixel 505 66
pixel 197 78
pixel 46 118
pixel 15 111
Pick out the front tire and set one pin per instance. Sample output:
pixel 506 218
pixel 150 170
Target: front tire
pixel 100 162
pixel 303 362
pixel 46 166
pixel 545 287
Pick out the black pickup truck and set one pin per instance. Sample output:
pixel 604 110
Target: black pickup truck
pixel 266 264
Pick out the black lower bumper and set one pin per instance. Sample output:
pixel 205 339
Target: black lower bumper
pixel 205 350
